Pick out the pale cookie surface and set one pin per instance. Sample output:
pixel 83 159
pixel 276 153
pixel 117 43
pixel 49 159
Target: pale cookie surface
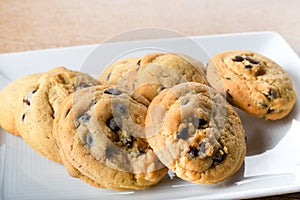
pixel 11 100
pixel 196 133
pixel 253 83
pixel 157 71
pixel 101 137
pixel 41 103
pixel 114 74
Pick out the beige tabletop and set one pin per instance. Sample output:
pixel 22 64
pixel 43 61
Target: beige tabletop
pixel 39 24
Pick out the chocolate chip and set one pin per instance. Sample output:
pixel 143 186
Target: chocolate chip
pixel 202 147
pixel 26 101
pixel 112 91
pixel 34 91
pixel 67 113
pixel 264 105
pixel 127 141
pixel 111 123
pixel 23 117
pixel 138 62
pixel 84 117
pixel 238 59
pixel 120 109
pixel 219 156
pixel 270 111
pixel 202 123
pixel 272 94
pixel 108 76
pixel 193 152
pixel 109 152
pixel 248 66
pixel 89 139
pixel 251 60
pixel 84 86
pixel 183 134
pixel 228 78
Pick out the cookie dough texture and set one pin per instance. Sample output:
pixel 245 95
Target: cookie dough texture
pixel 40 105
pixel 196 133
pixel 154 72
pixel 11 99
pixel 253 83
pixel 101 139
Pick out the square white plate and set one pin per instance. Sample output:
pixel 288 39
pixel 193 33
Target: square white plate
pixel 25 174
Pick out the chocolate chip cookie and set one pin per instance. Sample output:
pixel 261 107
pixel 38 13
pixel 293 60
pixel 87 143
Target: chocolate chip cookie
pixel 101 139
pixel 11 99
pixel 40 104
pixel 253 83
pixel 155 72
pixel 196 133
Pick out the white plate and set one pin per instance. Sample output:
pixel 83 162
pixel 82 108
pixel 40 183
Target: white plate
pixel 24 174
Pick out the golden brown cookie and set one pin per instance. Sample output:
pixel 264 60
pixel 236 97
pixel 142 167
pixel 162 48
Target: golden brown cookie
pixel 11 99
pixel 100 133
pixel 196 133
pixel 253 83
pixel 41 103
pixel 155 72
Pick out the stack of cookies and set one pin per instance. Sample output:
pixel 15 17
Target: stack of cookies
pixel 145 116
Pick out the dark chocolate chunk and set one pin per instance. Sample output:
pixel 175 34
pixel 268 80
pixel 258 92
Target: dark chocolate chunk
pixel 202 147
pixel 272 94
pixel 111 123
pixel 238 59
pixel 26 101
pixel 84 117
pixel 109 152
pixel 251 60
pixel 202 123
pixel 84 86
pixel 270 111
pixel 67 113
pixel 120 109
pixel 112 91
pixel 138 62
pixel 108 76
pixel 23 117
pixel 89 139
pixel 34 91
pixel 264 105
pixel 183 134
pixel 219 156
pixel 248 66
pixel 228 78
pixel 193 152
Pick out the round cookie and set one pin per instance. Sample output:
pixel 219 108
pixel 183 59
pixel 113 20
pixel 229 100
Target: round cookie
pixel 157 71
pixel 100 133
pixel 116 71
pixel 41 103
pixel 253 83
pixel 196 133
pixel 11 99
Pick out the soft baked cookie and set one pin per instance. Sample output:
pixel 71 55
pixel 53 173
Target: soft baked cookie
pixel 196 133
pixel 11 99
pixel 100 134
pixel 41 103
pixel 253 83
pixel 157 71
pixel 113 74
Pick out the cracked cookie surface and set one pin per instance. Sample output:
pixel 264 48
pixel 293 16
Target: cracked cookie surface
pixel 40 104
pixel 101 137
pixel 196 133
pixel 253 83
